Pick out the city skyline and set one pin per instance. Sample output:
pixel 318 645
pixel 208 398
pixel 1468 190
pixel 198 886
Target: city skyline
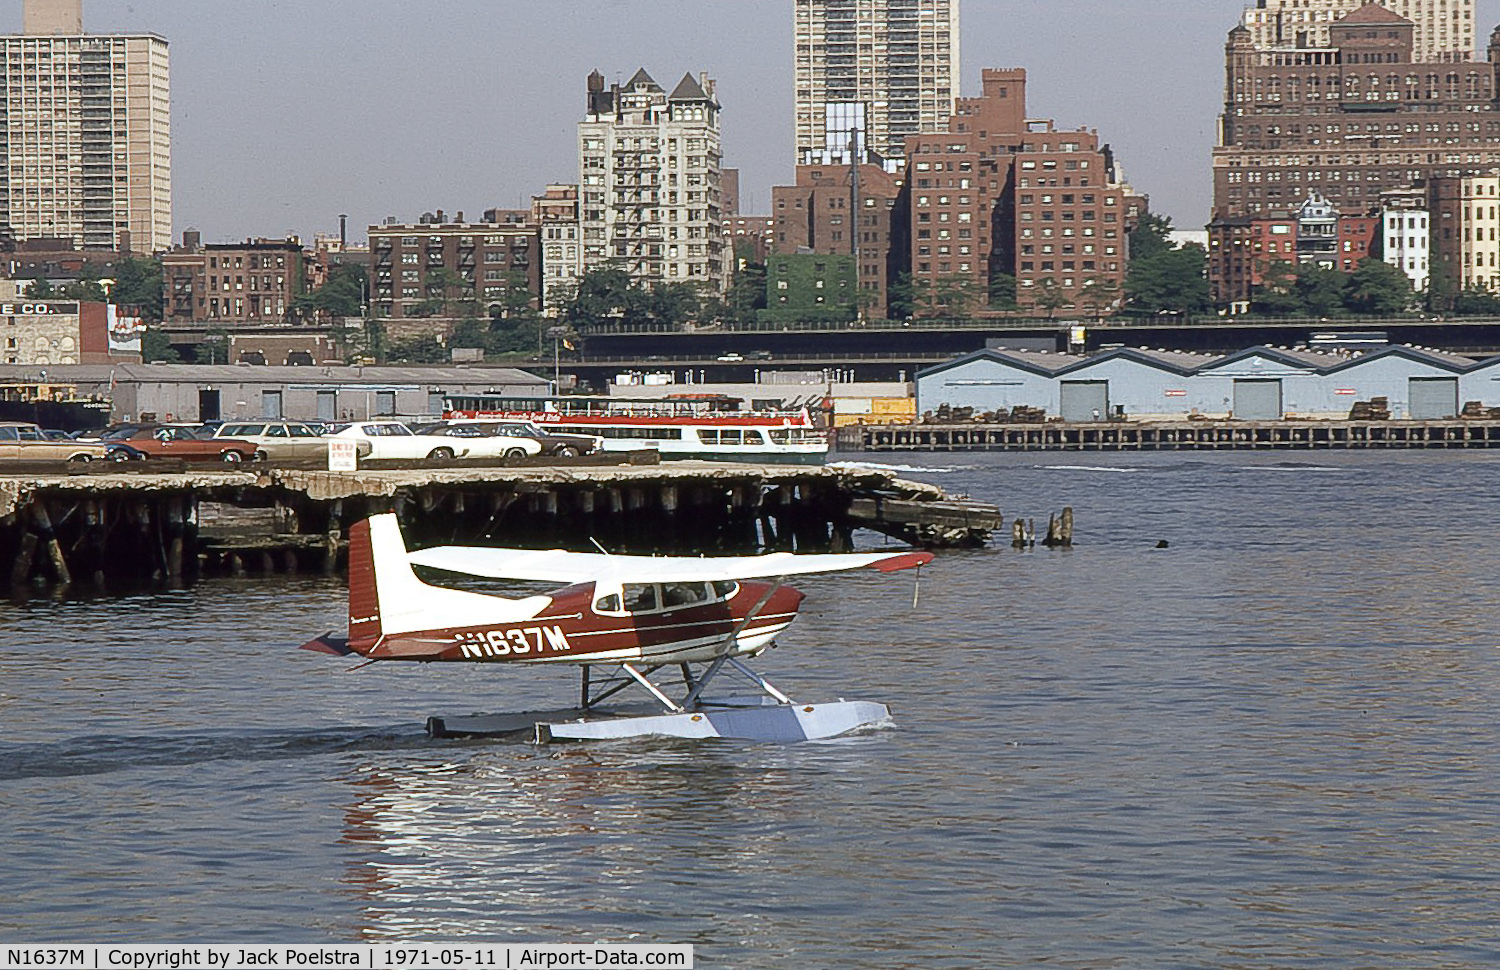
pixel 286 115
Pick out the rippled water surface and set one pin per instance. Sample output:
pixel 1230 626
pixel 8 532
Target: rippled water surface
pixel 1272 744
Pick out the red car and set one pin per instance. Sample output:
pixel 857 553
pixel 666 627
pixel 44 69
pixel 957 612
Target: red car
pixel 175 442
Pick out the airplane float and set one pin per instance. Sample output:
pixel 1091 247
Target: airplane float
pixel 636 616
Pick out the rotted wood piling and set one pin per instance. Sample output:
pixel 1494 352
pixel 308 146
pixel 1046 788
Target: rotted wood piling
pixel 123 529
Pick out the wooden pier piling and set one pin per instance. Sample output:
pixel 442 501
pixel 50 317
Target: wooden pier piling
pixel 1184 435
pixel 122 528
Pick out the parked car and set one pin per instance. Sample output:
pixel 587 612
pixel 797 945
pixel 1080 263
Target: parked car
pixel 392 439
pixel 554 443
pixel 165 441
pixel 277 440
pixel 27 442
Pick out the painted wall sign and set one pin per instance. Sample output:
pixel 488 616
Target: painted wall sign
pixel 39 308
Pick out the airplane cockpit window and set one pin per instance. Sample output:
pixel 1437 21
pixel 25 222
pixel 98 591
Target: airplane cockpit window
pixel 649 598
pixel 640 597
pixel 674 595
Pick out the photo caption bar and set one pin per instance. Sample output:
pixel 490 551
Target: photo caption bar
pixel 370 956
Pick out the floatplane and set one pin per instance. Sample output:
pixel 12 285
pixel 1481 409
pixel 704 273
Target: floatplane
pixel 633 616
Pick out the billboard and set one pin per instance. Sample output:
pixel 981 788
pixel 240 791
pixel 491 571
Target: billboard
pixel 124 331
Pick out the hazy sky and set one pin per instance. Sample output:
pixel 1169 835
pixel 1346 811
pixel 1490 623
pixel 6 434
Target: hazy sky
pixel 286 113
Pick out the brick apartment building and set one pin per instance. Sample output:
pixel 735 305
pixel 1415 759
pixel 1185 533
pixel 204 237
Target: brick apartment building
pixel 447 269
pixel 816 216
pixel 1241 250
pixel 233 284
pixel 1000 193
pixel 1350 120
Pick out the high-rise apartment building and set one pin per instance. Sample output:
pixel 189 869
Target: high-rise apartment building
pixel 1002 194
pixel 1351 120
pixel 1444 29
pixel 648 175
pixel 872 73
pixel 87 133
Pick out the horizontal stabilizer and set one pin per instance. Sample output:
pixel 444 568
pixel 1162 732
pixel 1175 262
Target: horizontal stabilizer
pixel 557 565
pixel 328 643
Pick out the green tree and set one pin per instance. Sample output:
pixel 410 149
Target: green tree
pixel 1377 287
pixel 954 296
pixel 1169 280
pixel 1149 237
pixel 341 295
pixel 604 295
pixel 423 349
pixel 674 304
pixel 156 347
pixel 41 288
pixel 1049 296
pixel 1002 292
pixel 1276 293
pixel 1320 290
pixel 214 347
pixel 748 291
pixel 138 283
pixel 1475 300
pixel 87 287
pixel 907 296
pixel 1098 295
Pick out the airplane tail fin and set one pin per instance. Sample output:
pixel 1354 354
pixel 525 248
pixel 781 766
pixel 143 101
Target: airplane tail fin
pixel 386 598
pixel 364 591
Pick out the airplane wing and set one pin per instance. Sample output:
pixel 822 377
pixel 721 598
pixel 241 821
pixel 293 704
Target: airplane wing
pixel 557 565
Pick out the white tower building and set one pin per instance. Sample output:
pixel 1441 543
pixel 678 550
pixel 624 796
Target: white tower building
pixel 87 131
pixel 648 182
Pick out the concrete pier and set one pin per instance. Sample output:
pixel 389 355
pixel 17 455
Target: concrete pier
pixel 1172 435
pixel 132 524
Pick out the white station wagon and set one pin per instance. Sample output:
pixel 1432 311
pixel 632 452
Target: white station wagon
pixel 277 440
pixel 392 439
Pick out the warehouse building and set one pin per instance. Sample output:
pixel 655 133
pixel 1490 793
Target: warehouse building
pixel 1257 384
pixel 211 392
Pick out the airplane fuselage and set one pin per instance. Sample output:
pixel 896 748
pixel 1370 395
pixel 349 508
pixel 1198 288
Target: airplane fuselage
pixel 570 630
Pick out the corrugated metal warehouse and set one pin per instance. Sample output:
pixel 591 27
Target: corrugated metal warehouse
pixel 207 392
pixel 1260 383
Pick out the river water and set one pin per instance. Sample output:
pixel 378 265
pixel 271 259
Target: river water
pixel 1272 744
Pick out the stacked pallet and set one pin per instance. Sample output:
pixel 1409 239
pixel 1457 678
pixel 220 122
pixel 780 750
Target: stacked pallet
pixel 1375 409
pixel 1021 414
pixel 1476 409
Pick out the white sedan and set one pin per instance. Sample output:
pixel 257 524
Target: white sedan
pixel 392 439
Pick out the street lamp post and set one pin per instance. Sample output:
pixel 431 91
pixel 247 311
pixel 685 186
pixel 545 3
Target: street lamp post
pixel 557 334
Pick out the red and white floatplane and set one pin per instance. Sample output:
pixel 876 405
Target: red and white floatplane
pixel 626 621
